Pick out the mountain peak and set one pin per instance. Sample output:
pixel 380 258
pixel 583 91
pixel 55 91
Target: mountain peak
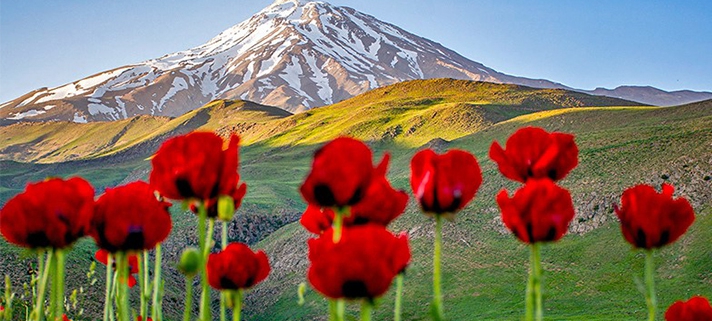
pixel 299 3
pixel 293 54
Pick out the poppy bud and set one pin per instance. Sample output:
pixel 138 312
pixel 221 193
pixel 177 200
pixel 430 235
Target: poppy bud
pixel 226 208
pixel 189 262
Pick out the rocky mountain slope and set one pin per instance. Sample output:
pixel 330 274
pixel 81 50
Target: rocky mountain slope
pixel 653 96
pixel 294 54
pixel 411 113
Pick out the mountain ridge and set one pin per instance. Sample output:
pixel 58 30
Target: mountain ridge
pixel 410 113
pixel 293 54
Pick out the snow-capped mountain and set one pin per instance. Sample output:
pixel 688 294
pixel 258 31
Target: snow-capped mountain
pixel 294 54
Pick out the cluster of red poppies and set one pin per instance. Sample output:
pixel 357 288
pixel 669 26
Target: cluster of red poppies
pixel 133 218
pixel 350 201
pixel 357 258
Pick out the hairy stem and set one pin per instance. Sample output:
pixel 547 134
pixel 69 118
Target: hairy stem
pixel 366 309
pixel 204 295
pixel 188 298
pixel 650 297
pixel 108 295
pixel 237 305
pixel 38 313
pixel 223 297
pixel 399 297
pixel 156 312
pixel 60 257
pixel 438 313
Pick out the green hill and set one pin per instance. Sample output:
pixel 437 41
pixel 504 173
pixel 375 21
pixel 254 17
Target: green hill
pixel 52 142
pixel 412 113
pixel 589 274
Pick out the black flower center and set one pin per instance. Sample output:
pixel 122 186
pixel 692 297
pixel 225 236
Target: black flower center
pixel 354 289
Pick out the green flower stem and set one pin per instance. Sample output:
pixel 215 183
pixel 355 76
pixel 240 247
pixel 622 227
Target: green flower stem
pixel 9 297
pixel 337 308
pixel 114 293
pixel 223 298
pixel 366 309
pixel 437 306
pixel 156 312
pixel 38 313
pixel 41 255
pixel 237 305
pixel 339 214
pixel 188 298
pixel 109 277
pixel 534 310
pixel 122 268
pixel 341 309
pixel 205 295
pixel 60 257
pixel 332 310
pixel 650 297
pixel 399 297
pixel 204 250
pixel 53 288
pixel 143 283
pixel 223 237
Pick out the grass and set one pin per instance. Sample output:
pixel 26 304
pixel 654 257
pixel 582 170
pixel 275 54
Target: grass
pixel 410 113
pixel 588 275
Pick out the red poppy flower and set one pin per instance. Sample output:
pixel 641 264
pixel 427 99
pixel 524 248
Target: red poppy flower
pixel 650 219
pixel 103 257
pixel 65 318
pixel 534 153
pixel 196 166
pixel 317 220
pixel 695 309
pixel 139 318
pixel 130 218
pixel 212 204
pixel 444 183
pixel 237 267
pixel 380 205
pixel 53 213
pixel 361 265
pixel 539 212
pixel 341 173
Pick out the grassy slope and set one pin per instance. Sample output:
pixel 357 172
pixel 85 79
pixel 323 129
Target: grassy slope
pixel 443 108
pixel 412 113
pixel 64 141
pixel 589 275
pixel 620 146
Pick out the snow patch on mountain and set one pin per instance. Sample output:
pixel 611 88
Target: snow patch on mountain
pixel 29 113
pixel 294 54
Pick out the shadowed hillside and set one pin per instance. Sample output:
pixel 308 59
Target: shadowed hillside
pixel 411 113
pixel 589 275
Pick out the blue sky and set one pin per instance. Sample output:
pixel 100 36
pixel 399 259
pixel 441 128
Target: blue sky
pixel 666 44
